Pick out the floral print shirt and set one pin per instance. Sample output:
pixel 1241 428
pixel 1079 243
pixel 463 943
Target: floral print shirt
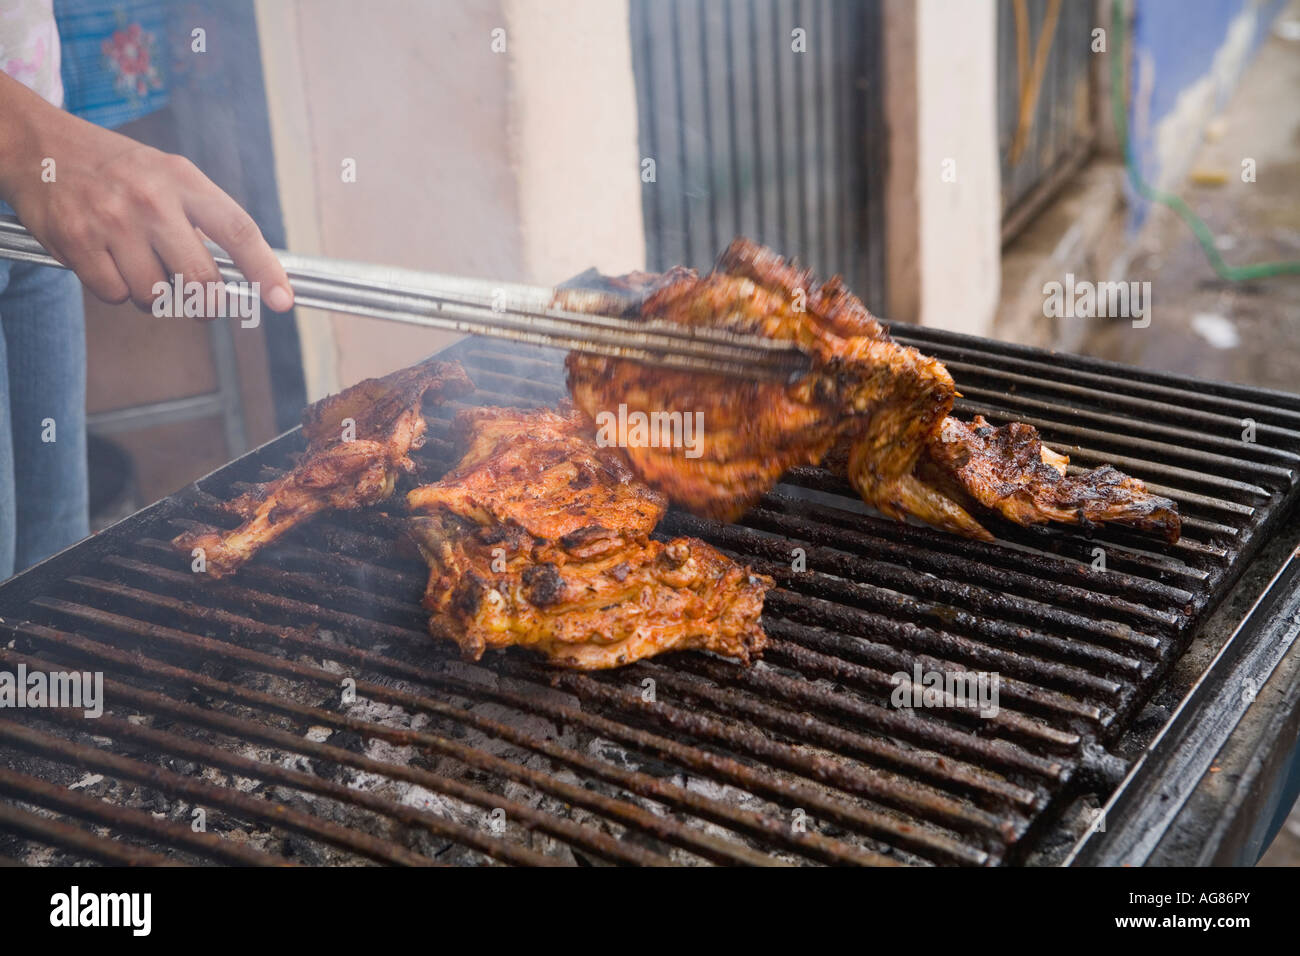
pixel 29 46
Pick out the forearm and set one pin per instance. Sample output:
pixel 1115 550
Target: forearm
pixel 35 134
pixel 22 113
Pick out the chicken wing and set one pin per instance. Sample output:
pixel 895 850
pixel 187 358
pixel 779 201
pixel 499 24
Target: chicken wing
pixel 1009 470
pixel 358 442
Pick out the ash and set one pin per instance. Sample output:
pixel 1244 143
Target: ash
pixel 493 816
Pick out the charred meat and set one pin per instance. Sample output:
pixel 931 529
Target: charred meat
pixel 885 397
pixel 539 470
pixel 870 408
pixel 358 442
pixel 584 606
pixel 541 539
pixel 1008 470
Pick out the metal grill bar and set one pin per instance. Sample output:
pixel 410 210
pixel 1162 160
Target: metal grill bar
pixel 73 838
pixel 319 716
pixel 83 755
pixel 648 786
pixel 288 580
pixel 242 730
pixel 125 819
pixel 1111 379
pixel 713 770
pixel 717 728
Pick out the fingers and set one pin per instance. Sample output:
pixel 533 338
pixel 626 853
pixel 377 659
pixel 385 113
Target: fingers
pixel 180 249
pixel 99 273
pixel 130 268
pixel 139 266
pixel 230 227
pixel 77 248
pixel 94 267
pixel 135 223
pixel 183 253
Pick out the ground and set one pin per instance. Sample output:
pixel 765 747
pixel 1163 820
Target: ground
pixel 1201 326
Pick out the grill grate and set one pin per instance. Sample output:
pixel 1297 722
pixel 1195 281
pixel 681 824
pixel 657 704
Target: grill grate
pixel 227 696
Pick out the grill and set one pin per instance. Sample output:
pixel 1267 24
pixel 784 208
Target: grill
pixel 300 711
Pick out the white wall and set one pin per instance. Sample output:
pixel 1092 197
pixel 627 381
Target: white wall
pixel 523 166
pixel 573 118
pixel 520 165
pixel 958 222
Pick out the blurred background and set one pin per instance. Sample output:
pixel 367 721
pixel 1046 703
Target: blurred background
pixel 948 157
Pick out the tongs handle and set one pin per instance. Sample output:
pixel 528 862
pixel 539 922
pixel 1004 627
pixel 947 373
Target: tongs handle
pixel 588 322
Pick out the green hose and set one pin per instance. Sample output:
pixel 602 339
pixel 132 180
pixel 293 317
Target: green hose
pixel 1231 273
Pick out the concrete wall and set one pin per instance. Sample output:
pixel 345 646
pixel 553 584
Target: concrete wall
pixel 573 132
pixel 957 171
pixel 522 164
pixel 518 165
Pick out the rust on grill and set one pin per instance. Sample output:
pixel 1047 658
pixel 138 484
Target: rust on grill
pixel 229 695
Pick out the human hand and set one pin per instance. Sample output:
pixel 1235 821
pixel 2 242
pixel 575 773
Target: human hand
pixel 122 215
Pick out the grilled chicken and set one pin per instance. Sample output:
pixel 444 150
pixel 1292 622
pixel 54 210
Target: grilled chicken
pixel 873 409
pixel 358 442
pixel 539 470
pixel 884 396
pixel 540 538
pixel 1008 470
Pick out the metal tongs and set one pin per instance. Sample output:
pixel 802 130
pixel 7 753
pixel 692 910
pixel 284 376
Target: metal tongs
pixel 581 320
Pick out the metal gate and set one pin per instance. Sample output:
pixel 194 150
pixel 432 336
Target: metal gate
pixel 1045 125
pixel 763 118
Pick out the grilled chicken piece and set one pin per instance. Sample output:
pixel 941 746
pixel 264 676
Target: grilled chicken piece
pixel 541 471
pixel 593 601
pixel 884 396
pixel 870 408
pixel 540 539
pixel 358 442
pixel 1008 470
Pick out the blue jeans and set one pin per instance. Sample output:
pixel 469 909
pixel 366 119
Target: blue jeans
pixel 43 481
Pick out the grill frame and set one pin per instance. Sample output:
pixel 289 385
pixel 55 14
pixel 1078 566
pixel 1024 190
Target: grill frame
pixel 884 633
pixel 1171 808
